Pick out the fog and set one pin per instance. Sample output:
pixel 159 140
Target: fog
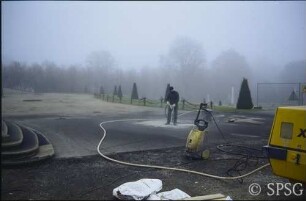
pixel 203 49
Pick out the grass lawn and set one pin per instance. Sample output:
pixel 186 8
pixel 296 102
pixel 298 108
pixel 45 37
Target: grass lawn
pixel 158 103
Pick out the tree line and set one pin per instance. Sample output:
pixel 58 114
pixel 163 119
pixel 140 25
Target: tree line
pixel 184 66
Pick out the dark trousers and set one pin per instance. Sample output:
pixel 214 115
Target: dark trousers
pixel 174 114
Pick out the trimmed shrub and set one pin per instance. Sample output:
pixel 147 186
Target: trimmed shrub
pixel 119 92
pixel 134 92
pixel 115 91
pixel 293 96
pixel 244 99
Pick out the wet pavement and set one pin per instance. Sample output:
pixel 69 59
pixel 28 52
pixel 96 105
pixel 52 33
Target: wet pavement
pixel 77 136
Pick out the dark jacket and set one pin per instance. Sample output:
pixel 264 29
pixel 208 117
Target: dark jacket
pixel 173 97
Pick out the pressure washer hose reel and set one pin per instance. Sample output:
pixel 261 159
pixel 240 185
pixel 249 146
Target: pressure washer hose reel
pixel 195 140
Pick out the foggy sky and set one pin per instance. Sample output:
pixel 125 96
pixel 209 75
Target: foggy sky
pixel 137 33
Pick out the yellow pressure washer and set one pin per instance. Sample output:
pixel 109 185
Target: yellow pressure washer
pixel 195 139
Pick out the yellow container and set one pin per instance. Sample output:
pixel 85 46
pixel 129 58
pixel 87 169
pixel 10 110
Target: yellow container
pixel 287 143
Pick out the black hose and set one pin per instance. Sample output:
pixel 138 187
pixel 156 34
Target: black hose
pixel 247 153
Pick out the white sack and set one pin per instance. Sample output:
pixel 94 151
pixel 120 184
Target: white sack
pixel 137 190
pixel 175 194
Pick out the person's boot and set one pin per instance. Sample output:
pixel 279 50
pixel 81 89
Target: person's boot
pixel 167 123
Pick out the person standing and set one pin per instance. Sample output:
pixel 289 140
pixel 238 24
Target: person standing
pixel 172 99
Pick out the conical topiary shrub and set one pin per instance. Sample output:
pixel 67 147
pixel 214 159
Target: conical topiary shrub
pixel 115 91
pixel 119 93
pixel 134 92
pixel 244 99
pixel 293 96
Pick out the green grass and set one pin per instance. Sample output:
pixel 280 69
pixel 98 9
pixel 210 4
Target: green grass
pixel 157 103
pixel 225 108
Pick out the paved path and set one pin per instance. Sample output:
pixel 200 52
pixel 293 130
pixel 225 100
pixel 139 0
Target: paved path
pixel 78 136
pixel 71 122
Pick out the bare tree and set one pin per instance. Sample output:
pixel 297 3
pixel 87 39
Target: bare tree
pixel 100 64
pixel 13 75
pixel 186 54
pixel 228 69
pixel 183 67
pixel 294 72
pixel 72 79
pixel 37 77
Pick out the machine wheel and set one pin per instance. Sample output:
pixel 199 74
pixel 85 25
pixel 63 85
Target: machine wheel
pixel 205 154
